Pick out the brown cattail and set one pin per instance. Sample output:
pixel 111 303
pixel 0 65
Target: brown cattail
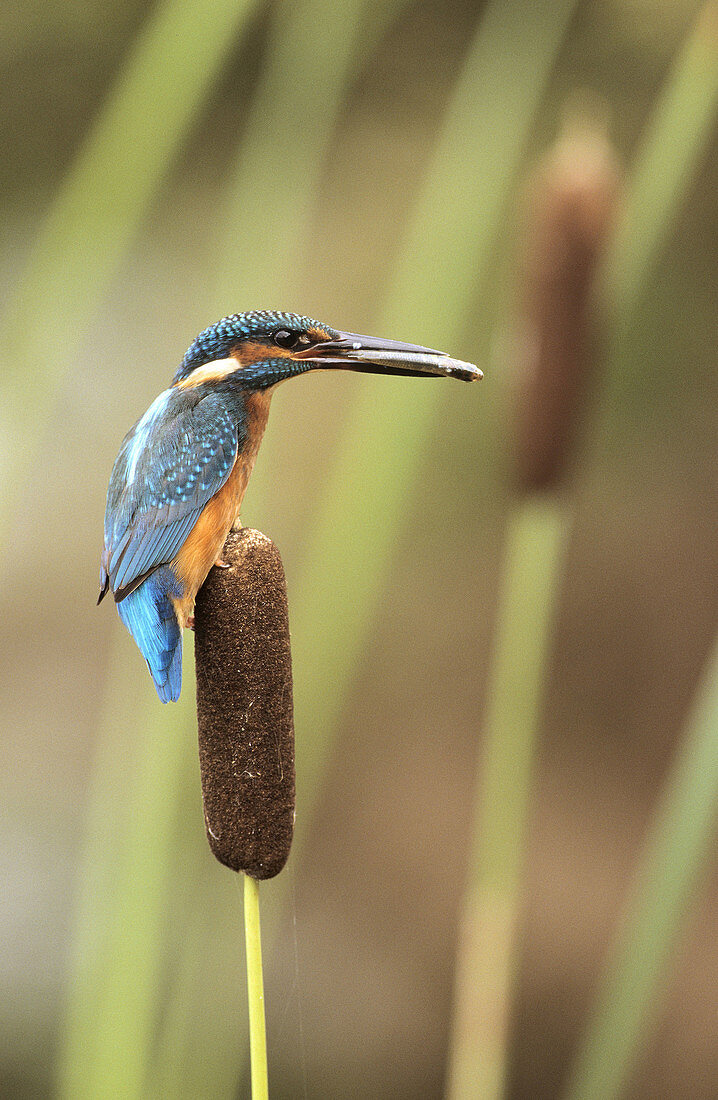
pixel 244 707
pixel 571 206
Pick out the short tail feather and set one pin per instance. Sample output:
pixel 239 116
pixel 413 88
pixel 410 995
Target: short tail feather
pixel 149 615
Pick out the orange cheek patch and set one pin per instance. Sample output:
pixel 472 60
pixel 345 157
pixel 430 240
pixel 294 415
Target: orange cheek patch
pixel 250 352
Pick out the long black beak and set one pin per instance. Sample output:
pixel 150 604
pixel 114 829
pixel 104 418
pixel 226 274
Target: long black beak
pixel 376 356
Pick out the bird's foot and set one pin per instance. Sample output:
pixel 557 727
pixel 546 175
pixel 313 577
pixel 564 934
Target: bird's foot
pixel 222 564
pixel 189 622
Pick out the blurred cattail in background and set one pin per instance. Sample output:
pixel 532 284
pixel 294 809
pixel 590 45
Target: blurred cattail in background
pixel 571 204
pixel 570 208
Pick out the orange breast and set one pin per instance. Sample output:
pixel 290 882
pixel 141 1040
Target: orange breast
pixel 203 545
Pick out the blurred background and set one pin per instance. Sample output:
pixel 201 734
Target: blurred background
pixel 401 169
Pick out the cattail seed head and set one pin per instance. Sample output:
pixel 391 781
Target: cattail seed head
pixel 571 206
pixel 244 707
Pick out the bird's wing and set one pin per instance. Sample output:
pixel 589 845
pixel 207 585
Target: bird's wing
pixel 170 464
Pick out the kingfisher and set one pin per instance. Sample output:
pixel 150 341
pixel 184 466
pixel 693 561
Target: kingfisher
pixel 178 482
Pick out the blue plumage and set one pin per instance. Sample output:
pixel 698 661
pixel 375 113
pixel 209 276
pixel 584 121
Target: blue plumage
pixel 171 463
pixel 148 614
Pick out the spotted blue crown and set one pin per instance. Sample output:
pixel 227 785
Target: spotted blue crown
pixel 217 341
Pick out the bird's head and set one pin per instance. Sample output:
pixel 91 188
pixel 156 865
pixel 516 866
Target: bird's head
pixel 261 348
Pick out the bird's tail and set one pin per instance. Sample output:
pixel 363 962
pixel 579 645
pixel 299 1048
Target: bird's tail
pixel 149 615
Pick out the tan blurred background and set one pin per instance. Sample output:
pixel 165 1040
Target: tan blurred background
pixel 359 981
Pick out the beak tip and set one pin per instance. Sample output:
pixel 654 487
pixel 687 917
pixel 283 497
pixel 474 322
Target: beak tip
pixel 467 372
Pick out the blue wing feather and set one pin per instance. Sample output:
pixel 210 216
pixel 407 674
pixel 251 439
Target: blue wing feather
pixel 149 616
pixel 150 546
pixel 171 463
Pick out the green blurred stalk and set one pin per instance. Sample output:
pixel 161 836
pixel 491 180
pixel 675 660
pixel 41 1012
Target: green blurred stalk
pixel 487 958
pixel 675 138
pixel 255 990
pixel 98 211
pixel 677 852
pixel 294 118
pixel 94 895
pixel 142 750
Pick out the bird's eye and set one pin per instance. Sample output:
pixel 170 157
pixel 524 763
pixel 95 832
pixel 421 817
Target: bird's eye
pixel 286 339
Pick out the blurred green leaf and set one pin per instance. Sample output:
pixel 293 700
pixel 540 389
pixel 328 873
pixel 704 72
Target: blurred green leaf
pixel 99 208
pixel 122 898
pixel 536 542
pixel 312 55
pixel 671 146
pixel 669 152
pixel 679 844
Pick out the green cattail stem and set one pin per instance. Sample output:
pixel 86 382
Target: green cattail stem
pixel 486 960
pixel 255 990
